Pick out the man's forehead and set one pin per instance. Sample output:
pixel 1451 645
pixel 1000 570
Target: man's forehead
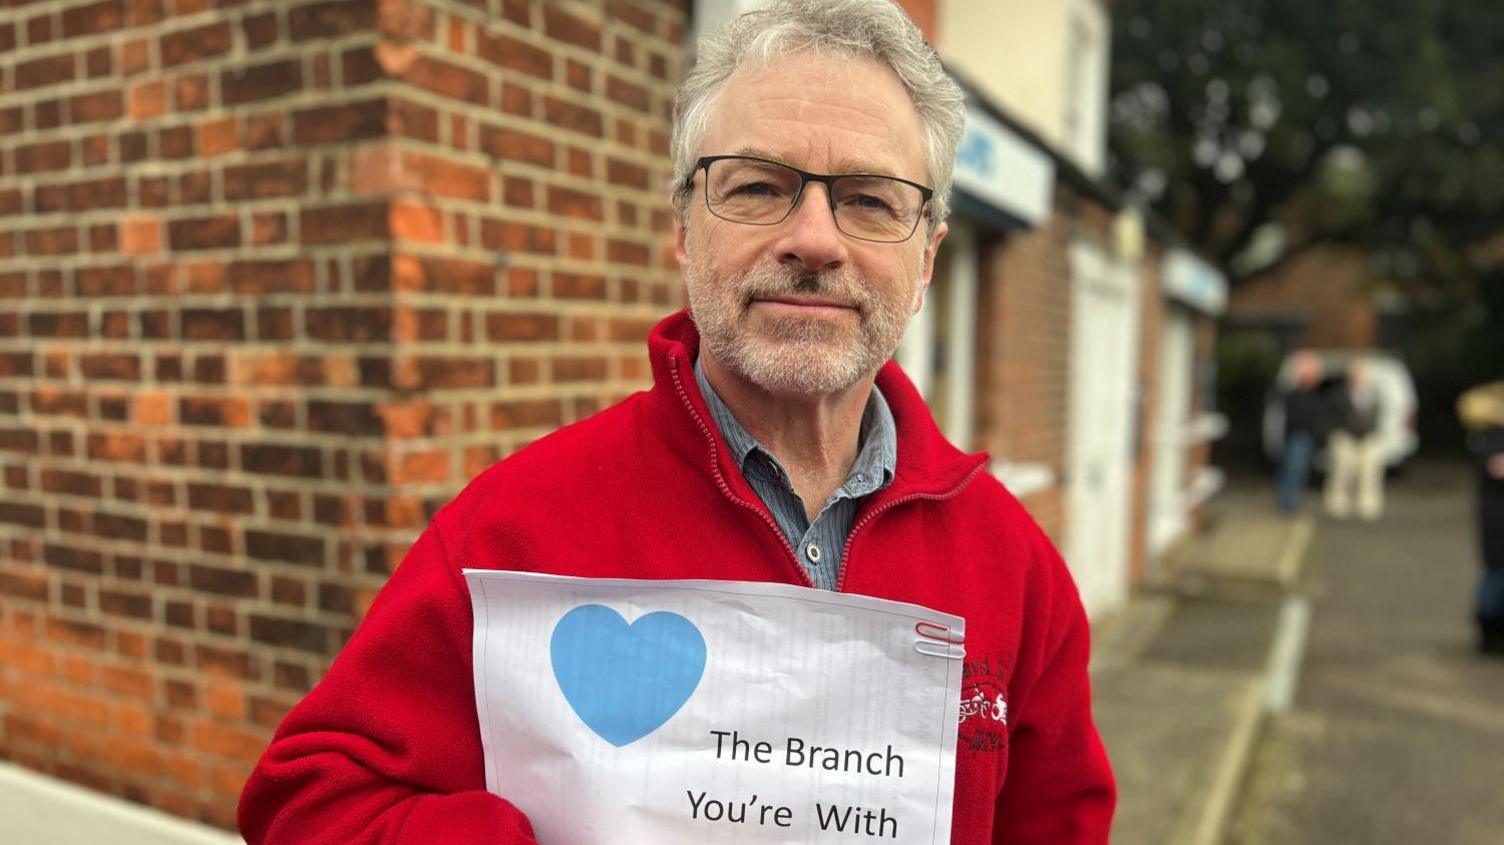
pixel 826 113
pixel 838 162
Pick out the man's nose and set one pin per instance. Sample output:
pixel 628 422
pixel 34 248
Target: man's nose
pixel 808 239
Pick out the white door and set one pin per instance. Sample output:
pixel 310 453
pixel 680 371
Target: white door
pixel 1104 340
pixel 1172 416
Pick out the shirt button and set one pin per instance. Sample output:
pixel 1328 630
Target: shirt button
pixel 812 551
pixel 860 477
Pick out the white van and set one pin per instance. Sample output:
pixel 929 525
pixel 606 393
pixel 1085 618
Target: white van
pixel 1389 376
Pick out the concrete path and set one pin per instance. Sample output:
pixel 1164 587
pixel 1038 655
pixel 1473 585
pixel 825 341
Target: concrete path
pixel 1397 730
pixel 38 810
pixel 1180 679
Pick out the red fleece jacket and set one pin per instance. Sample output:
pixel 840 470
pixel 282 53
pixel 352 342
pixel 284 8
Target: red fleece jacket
pixel 387 749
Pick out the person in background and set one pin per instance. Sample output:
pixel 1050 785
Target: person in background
pixel 1481 410
pixel 1357 456
pixel 1304 429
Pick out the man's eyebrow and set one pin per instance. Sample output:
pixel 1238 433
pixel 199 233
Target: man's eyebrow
pixel 844 165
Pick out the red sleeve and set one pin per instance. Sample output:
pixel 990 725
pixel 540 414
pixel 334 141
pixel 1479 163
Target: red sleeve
pixel 387 747
pixel 1059 788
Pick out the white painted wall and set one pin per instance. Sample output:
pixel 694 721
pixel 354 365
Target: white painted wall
pixel 1098 461
pixel 1167 510
pixel 1045 62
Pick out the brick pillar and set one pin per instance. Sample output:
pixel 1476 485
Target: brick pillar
pixel 1152 314
pixel 276 279
pixel 1023 356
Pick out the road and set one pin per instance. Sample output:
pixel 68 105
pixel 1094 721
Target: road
pixel 1397 731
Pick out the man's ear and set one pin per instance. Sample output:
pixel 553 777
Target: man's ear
pixel 681 231
pixel 927 261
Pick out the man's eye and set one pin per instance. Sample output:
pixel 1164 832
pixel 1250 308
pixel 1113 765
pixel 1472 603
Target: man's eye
pixel 868 202
pixel 756 189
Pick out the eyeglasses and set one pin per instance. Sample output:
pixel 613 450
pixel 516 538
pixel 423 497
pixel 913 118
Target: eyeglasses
pixel 759 192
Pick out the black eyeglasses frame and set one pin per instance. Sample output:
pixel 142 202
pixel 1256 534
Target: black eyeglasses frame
pixel 806 177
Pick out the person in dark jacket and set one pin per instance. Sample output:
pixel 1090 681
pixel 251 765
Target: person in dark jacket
pixel 1305 428
pixel 1481 410
pixel 1356 449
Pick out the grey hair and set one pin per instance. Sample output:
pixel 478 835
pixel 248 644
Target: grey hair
pixel 871 28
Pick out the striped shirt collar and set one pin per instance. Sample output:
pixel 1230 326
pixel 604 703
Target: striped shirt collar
pixel 877 452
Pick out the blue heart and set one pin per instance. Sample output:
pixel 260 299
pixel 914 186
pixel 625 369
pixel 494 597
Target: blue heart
pixel 624 681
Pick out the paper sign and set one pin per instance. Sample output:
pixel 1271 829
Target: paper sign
pixel 617 711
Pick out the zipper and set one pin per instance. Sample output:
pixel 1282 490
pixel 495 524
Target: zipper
pixel 720 480
pixel 887 506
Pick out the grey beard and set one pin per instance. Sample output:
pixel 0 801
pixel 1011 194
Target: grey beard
pixel 784 360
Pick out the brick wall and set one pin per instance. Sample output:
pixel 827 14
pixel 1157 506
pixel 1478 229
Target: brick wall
pixel 1023 355
pixel 1330 289
pixel 276 278
pixel 1024 351
pixel 1152 312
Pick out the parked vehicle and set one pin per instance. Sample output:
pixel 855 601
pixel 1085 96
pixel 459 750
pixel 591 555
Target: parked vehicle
pixel 1397 401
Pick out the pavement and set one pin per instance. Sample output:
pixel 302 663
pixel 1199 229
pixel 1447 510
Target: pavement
pixel 1185 677
pixel 39 810
pixel 1396 734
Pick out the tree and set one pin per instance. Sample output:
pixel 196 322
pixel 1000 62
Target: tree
pixel 1264 128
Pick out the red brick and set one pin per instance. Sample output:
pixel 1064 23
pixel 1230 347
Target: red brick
pixel 220 498
pixel 43 156
pixel 148 100
pixel 442 177
pixel 342 122
pixel 260 30
pixel 330 19
pixel 526 413
pixel 260 82
pixel 412 221
pixel 135 56
pixel 408 119
pixel 216 137
pixel 629 94
pixel 93 19
pixel 515 145
pixel 264 179
pixel 561 25
pixel 346 222
pixel 92 108
pixel 431 466
pixel 226 741
pixel 572 117
pixel 513 54
pixel 215 232
pixel 191 93
pixel 140 236
pixel 567 202
pixel 631 15
pixel 619 172
pixel 446 80
pixel 48 70
pixel 284 632
pixel 193 45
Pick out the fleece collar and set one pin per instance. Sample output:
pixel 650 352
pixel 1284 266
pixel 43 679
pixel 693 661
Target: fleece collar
pixel 928 465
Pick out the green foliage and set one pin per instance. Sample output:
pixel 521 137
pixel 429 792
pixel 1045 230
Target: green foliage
pixel 1261 127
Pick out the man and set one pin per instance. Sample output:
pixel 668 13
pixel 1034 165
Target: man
pixel 1305 428
pixel 1356 448
pixel 776 445
pixel 1481 410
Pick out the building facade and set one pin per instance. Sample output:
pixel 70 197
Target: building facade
pixel 278 277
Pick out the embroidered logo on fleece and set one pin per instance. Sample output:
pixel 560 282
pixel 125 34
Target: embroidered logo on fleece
pixel 984 707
